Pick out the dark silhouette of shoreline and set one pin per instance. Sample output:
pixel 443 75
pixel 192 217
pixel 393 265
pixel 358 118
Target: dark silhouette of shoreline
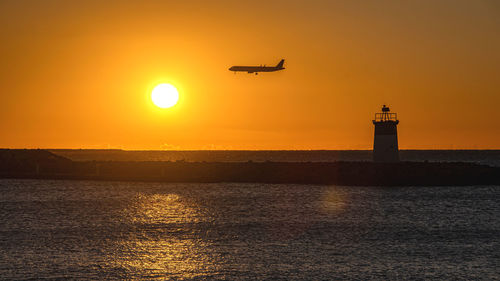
pixel 42 164
pixel 488 157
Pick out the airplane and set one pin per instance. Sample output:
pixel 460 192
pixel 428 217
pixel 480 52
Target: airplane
pixel 257 69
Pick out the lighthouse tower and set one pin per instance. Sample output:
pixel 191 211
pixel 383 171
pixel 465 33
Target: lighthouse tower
pixel 385 143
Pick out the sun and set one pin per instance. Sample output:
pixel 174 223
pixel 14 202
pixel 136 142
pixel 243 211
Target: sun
pixel 165 95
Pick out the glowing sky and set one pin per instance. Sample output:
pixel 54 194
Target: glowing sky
pixel 79 74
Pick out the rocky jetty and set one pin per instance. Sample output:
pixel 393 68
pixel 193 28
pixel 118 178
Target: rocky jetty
pixel 45 165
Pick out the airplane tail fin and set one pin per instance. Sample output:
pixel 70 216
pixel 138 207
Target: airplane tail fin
pixel 280 64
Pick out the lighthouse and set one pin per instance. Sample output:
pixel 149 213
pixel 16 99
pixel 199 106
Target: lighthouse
pixel 385 143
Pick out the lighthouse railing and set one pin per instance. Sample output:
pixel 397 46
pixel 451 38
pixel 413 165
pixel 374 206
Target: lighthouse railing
pixel 385 116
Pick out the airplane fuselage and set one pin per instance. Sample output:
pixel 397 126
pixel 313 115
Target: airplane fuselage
pixel 252 69
pixel 257 69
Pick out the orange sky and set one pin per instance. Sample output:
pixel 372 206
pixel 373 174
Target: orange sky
pixel 78 74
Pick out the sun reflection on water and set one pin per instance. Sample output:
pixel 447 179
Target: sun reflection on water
pixel 163 257
pixel 177 235
pixel 164 243
pixel 163 208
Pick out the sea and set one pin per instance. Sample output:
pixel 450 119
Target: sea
pixel 81 230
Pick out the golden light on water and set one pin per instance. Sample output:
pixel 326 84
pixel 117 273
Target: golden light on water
pixel 169 238
pixel 156 258
pixel 333 201
pixel 162 208
pixel 158 250
pixel 165 95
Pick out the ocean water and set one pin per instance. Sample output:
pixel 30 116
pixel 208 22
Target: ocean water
pixel 122 230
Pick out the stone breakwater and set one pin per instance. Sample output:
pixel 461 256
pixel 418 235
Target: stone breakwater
pixel 41 164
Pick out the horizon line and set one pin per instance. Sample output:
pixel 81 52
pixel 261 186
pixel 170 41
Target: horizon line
pixel 267 150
